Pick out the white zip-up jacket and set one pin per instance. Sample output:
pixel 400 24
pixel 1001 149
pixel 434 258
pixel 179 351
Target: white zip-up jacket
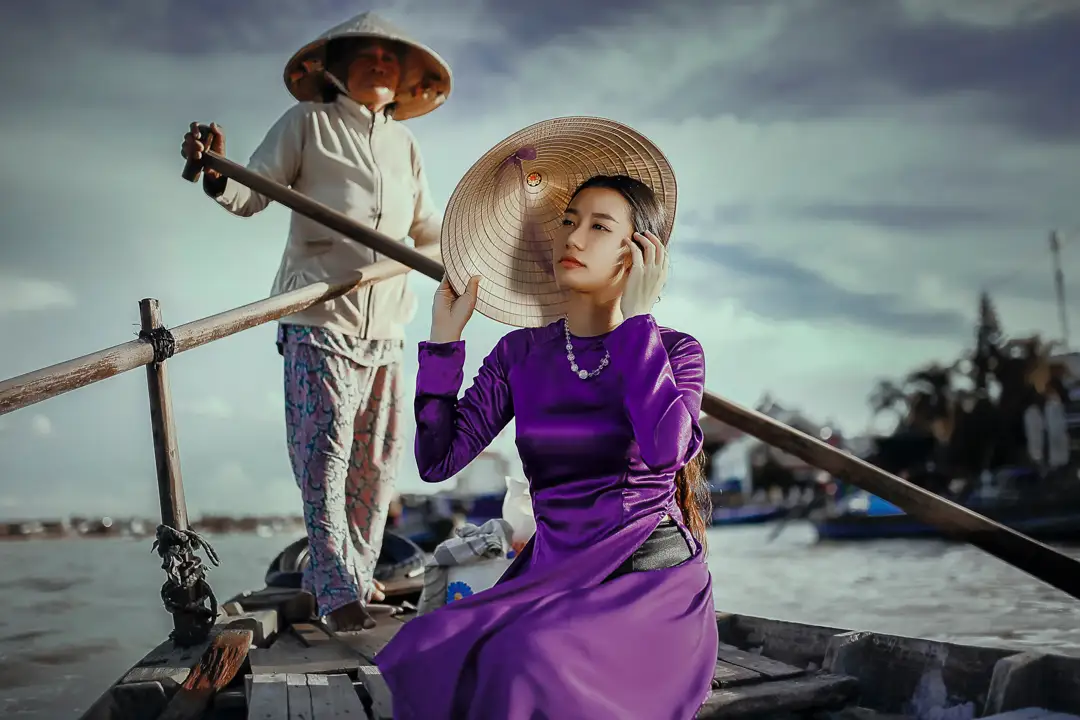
pixel 365 166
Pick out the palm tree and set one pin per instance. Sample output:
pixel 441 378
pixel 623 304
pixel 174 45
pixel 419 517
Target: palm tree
pixel 887 396
pixel 988 340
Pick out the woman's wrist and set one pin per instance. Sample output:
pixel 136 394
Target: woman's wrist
pixel 441 338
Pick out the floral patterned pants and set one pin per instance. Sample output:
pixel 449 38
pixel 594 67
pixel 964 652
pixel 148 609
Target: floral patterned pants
pixel 342 416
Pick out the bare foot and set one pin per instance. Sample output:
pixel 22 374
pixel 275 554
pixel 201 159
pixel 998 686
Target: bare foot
pixel 379 593
pixel 349 618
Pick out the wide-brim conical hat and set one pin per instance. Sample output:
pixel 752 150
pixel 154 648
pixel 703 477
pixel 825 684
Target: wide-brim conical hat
pixel 501 219
pixel 425 77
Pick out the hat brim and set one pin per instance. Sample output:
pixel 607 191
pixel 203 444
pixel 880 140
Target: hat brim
pixel 501 219
pixel 426 79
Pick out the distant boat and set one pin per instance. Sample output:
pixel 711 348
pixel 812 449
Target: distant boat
pixel 475 497
pixel 1044 516
pixel 748 514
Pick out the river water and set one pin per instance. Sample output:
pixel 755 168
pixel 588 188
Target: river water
pixel 75 614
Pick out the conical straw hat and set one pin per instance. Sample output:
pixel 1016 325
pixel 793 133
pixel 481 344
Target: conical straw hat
pixel 501 219
pixel 425 77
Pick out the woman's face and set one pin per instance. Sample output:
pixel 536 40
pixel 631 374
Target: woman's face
pixel 590 254
pixel 374 73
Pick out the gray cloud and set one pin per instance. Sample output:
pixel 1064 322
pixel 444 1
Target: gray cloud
pixel 905 216
pixel 780 289
pixel 875 58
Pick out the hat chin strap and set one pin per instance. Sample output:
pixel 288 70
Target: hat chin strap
pixel 337 83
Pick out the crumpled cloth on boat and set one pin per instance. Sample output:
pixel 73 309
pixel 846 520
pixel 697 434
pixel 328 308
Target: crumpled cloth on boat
pixel 473 544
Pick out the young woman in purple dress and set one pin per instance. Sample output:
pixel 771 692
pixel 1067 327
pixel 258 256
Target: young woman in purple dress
pixel 608 611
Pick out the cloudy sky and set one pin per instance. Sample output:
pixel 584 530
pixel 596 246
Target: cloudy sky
pixel 851 174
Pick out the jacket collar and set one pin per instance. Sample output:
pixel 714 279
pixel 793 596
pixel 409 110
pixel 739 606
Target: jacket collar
pixel 360 112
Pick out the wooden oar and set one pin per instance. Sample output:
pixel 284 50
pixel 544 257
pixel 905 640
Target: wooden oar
pixel 392 248
pixel 1037 559
pixel 215 669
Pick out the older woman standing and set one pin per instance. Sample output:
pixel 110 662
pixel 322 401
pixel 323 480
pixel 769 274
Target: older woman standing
pixel 343 145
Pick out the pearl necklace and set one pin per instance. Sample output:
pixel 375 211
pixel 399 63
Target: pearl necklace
pixel 583 374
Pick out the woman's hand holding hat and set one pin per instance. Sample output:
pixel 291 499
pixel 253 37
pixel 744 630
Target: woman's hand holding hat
pixel 450 312
pixel 648 273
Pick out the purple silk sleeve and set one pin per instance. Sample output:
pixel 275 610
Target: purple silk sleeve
pixel 451 432
pixel 661 391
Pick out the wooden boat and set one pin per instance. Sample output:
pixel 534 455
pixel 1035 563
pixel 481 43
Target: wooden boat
pixel 732 506
pixel 477 496
pixel 261 654
pixel 753 514
pixel 765 668
pixel 1054 518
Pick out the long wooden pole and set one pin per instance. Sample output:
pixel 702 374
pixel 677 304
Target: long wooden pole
pixel 39 385
pixel 163 426
pixel 392 248
pixel 1037 559
pixel 167 457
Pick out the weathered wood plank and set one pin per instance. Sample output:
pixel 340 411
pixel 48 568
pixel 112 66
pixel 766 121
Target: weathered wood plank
pixel 292 605
pixel 134 701
pixel 369 642
pixel 760 664
pixel 1018 681
pixel 727 675
pixel 140 701
pixel 843 652
pixel 310 635
pixel 333 697
pixel 382 702
pixel 792 695
pixel 167 663
pixel 789 642
pixel 170 665
pixel 288 654
pixel 268 697
pixel 299 696
pixel 891 668
pixel 263 625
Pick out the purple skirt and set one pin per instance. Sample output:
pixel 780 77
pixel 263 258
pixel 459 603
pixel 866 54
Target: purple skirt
pixel 560 640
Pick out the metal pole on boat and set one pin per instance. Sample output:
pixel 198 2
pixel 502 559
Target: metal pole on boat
pixel 186 594
pixel 1059 286
pixel 1037 559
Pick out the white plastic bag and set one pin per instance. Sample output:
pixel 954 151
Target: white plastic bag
pixel 465 580
pixel 517 510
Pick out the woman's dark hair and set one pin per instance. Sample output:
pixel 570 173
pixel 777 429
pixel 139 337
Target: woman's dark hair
pixel 649 215
pixel 339 56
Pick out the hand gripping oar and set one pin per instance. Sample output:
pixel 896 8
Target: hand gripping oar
pixel 380 243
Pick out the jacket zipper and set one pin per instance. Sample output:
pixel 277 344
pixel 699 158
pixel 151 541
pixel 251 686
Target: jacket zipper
pixel 378 217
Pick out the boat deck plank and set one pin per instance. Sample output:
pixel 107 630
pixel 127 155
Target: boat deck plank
pixel 817 692
pixel 382 701
pixel 334 697
pixel 304 649
pixel 268 698
pixel 726 675
pixel 764 666
pixel 299 696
